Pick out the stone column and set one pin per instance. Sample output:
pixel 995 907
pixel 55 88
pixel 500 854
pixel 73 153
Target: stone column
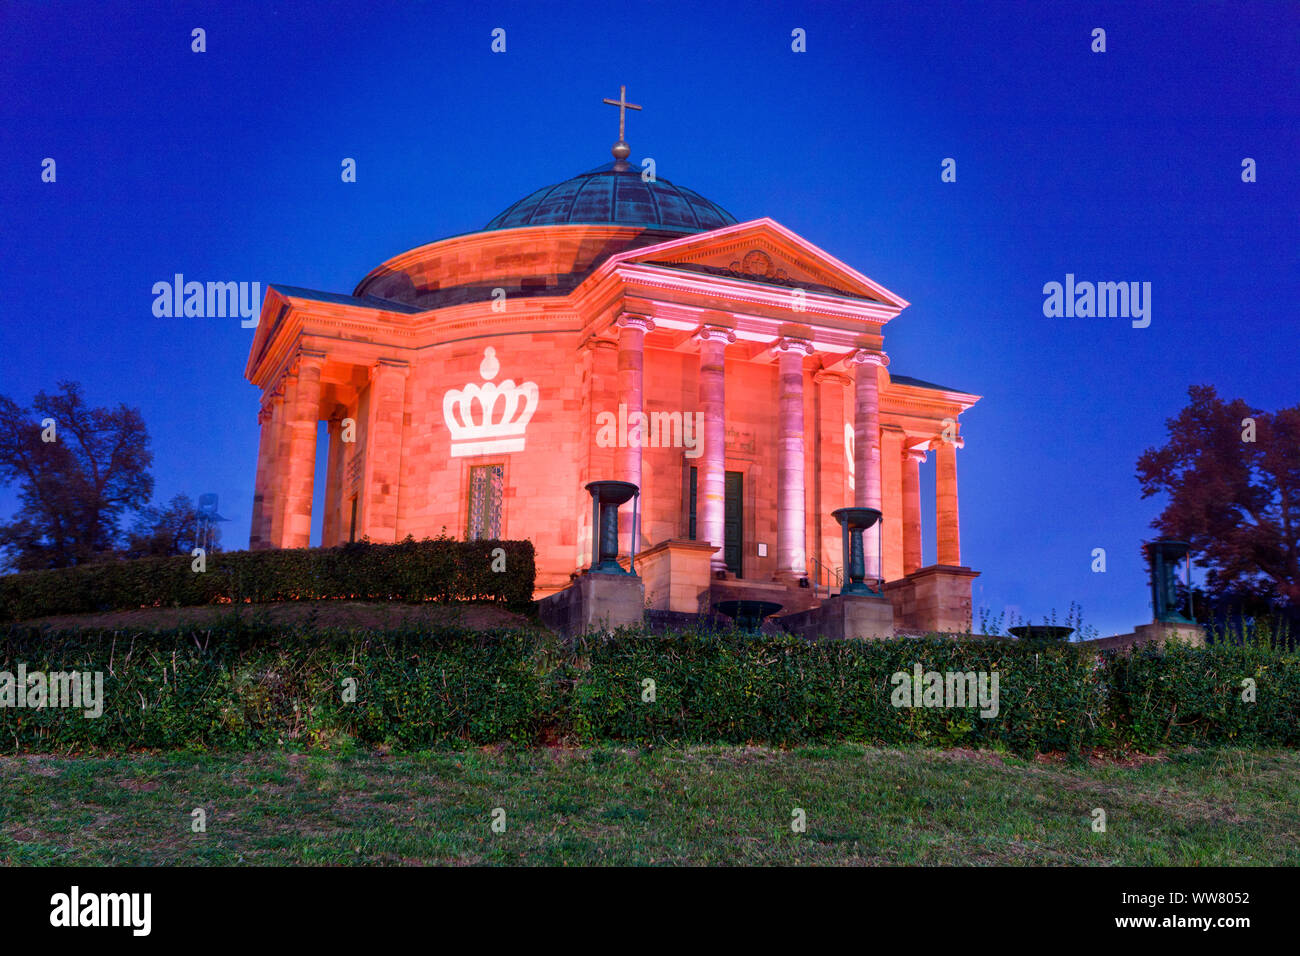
pixel 912 509
pixel 831 474
pixel 866 446
pixel 945 495
pixel 303 414
pixel 264 491
pixel 602 398
pixel 791 532
pixel 333 485
pixel 891 466
pixel 381 485
pixel 631 373
pixel 712 476
pixel 280 455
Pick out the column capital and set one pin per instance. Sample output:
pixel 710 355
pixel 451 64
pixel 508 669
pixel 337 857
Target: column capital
pixel 865 357
pixel 914 454
pixel 939 442
pixel 310 357
pixel 788 343
pixel 714 333
pixel 389 365
pixel 633 320
pixel 825 376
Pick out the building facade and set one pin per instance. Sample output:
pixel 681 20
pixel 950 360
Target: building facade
pixel 608 327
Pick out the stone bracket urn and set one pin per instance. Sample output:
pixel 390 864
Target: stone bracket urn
pixel 606 497
pixel 1041 632
pixel 854 521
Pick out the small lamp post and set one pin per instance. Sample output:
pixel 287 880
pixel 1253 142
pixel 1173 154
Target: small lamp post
pixel 606 497
pixel 853 521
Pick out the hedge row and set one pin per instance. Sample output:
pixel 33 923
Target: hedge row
pixel 240 686
pixel 237 687
pixel 1050 698
pixel 735 690
pixel 434 569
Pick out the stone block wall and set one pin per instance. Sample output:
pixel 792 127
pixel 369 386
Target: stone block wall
pixel 843 617
pixel 936 599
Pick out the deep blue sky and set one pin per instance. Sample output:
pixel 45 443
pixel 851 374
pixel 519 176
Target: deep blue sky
pixel 1117 166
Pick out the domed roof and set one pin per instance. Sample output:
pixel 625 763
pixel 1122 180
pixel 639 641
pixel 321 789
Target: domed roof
pixel 615 194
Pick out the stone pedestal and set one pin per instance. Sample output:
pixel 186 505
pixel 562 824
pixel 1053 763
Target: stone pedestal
pixel 1160 631
pixel 595 602
pixel 676 575
pixel 843 617
pixel 1156 633
pixel 935 599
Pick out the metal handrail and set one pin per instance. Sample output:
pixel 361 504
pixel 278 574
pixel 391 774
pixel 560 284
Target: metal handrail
pixel 838 576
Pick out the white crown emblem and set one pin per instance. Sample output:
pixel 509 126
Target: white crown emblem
pixel 486 431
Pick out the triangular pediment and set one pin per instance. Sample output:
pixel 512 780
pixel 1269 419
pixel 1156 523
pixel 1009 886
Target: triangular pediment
pixel 765 252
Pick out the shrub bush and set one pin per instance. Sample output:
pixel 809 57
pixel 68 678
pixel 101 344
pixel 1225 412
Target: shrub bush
pixel 1186 695
pixel 241 685
pixel 437 569
pixel 735 688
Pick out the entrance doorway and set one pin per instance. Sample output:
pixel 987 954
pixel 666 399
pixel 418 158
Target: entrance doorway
pixel 733 523
pixel 733 517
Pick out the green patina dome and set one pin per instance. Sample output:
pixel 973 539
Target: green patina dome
pixel 615 194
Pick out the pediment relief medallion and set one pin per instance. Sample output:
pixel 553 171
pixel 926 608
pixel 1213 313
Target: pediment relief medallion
pixel 760 262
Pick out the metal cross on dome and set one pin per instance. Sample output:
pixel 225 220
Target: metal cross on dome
pixel 621 149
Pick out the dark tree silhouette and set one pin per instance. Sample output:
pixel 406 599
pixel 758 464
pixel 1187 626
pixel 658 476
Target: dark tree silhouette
pixel 1237 501
pixel 74 489
pixel 170 529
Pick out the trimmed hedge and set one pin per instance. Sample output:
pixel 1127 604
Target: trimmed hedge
pixel 739 688
pixel 239 686
pixel 1187 695
pixel 246 685
pixel 1061 697
pixel 438 569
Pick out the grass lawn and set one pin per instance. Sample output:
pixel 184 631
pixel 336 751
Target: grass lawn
pixel 699 805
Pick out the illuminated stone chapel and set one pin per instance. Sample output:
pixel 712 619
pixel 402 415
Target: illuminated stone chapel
pixel 616 326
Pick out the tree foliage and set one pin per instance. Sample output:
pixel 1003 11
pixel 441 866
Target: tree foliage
pixel 169 529
pixel 78 470
pixel 1236 500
